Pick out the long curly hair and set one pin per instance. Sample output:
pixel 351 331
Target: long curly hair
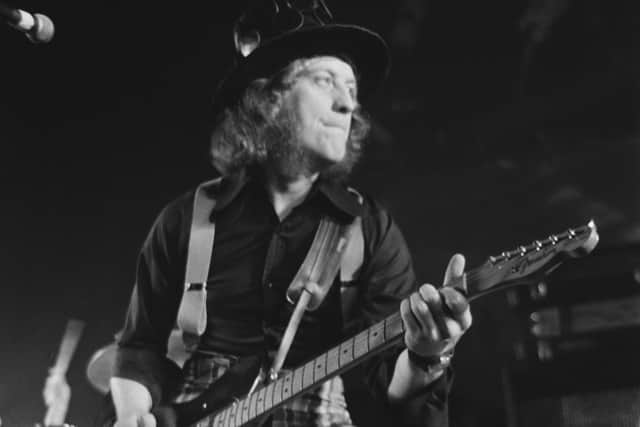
pixel 250 134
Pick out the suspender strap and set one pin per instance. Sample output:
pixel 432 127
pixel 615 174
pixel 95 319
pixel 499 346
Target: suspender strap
pixel 192 314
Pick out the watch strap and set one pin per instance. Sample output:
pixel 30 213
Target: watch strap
pixel 430 364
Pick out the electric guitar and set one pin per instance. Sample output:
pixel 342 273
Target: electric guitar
pixel 217 407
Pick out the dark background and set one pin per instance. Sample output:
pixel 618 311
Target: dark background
pixel 485 137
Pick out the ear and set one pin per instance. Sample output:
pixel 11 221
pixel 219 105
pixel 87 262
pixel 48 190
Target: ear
pixel 276 103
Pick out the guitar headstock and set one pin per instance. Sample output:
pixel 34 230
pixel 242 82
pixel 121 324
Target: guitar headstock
pixel 527 263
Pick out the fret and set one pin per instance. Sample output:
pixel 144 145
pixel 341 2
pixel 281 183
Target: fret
pixel 319 367
pixel 234 419
pixel 221 419
pixel 361 344
pixel 376 335
pixel 277 391
pixel 232 415
pixel 237 415
pixel 297 380
pixel 268 397
pixel 346 352
pixel 392 327
pixel 227 416
pixel 252 405
pixel 244 413
pixel 307 376
pixel 286 386
pixel 260 400
pixel 333 359
pixel 218 421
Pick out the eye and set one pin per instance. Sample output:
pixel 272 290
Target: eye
pixel 324 80
pixel 353 92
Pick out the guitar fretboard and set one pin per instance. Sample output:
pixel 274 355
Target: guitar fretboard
pixel 305 377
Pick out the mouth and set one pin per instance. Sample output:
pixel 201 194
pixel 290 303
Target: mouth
pixel 334 126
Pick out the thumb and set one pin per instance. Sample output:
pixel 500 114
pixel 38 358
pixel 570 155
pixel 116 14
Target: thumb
pixel 454 275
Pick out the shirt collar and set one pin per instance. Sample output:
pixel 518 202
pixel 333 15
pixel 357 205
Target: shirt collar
pixel 340 196
pixel 228 188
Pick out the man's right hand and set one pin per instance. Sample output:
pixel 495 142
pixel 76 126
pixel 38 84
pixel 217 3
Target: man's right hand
pixel 132 402
pixel 144 420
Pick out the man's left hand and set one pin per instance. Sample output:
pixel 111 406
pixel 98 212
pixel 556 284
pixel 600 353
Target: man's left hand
pixel 436 319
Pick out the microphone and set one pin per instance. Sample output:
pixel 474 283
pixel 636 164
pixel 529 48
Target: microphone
pixel 37 27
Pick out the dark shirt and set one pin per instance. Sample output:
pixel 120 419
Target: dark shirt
pixel 255 257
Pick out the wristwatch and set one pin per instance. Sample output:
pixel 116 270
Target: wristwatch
pixel 431 364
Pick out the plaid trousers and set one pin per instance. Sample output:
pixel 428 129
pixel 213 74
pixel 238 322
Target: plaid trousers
pixel 323 407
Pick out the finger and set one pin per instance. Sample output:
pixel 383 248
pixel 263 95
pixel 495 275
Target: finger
pixel 410 322
pixel 453 301
pixel 466 320
pixel 420 310
pixel 454 331
pixel 454 274
pixel 432 298
pixel 458 311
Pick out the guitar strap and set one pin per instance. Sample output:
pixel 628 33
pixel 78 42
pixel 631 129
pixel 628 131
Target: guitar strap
pixel 312 281
pixel 335 248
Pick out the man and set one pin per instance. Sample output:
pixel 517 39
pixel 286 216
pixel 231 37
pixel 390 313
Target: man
pixel 290 130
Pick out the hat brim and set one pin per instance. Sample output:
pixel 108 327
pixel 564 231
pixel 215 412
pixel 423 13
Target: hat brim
pixel 365 49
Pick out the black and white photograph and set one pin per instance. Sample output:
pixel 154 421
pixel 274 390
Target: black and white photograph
pixel 320 213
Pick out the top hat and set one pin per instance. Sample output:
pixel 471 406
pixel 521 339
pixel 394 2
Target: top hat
pixel 273 33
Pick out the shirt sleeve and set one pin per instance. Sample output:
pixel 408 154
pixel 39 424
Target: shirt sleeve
pixel 151 315
pixel 386 278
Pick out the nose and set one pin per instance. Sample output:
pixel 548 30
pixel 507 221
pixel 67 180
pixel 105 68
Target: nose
pixel 343 102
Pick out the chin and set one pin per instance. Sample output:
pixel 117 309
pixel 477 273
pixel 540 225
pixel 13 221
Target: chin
pixel 335 151
pixel 323 161
pixel 326 152
pixel 334 157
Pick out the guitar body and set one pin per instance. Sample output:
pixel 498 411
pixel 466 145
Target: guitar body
pixel 233 385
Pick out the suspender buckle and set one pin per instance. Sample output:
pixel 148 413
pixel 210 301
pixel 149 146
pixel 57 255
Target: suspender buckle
pixel 195 287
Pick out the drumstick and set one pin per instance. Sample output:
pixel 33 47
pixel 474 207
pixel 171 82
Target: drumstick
pixel 56 390
pixel 68 345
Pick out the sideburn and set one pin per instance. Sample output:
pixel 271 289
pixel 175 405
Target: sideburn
pixel 285 156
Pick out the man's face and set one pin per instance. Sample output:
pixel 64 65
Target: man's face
pixel 321 100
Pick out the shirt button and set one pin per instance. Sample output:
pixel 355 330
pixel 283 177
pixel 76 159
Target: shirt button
pixel 269 285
